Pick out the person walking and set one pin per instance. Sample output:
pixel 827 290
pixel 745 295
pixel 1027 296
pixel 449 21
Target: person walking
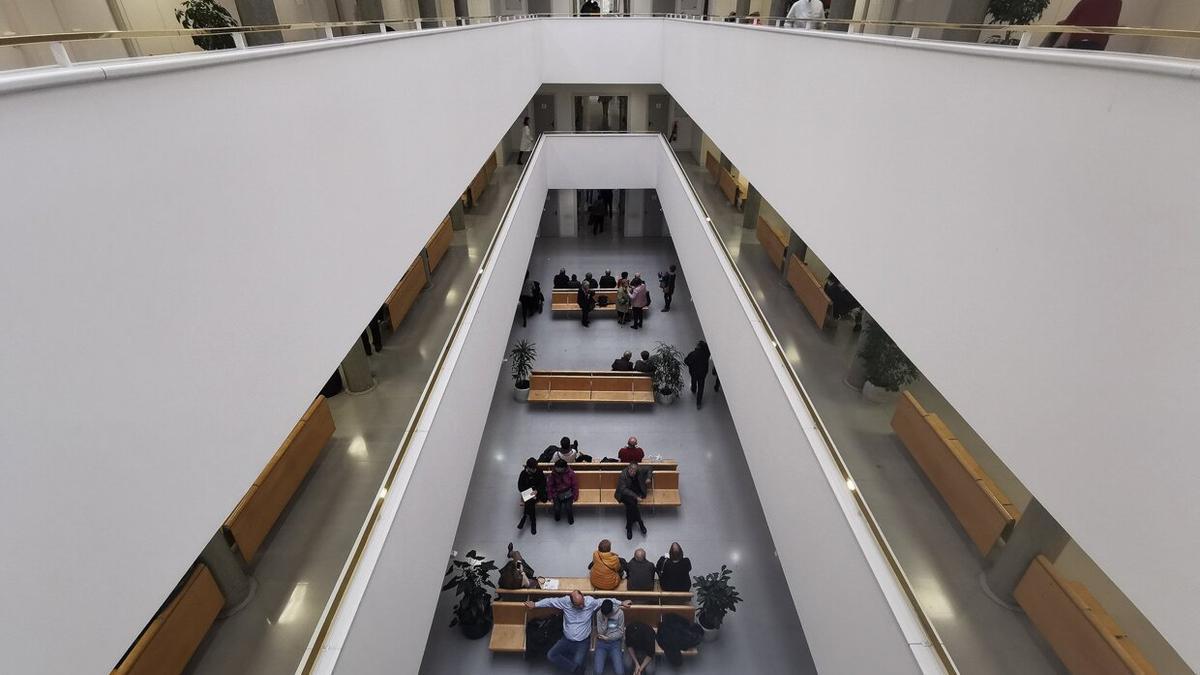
pixel 526 142
pixel 563 488
pixel 610 633
pixel 623 302
pixel 697 365
pixel 632 486
pixel 569 652
pixel 639 300
pixel 531 483
pixel 667 282
pixel 586 300
pixel 528 299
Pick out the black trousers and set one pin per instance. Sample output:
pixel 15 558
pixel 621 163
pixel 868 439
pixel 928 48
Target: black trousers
pixel 698 387
pixel 520 157
pixel 562 506
pixel 637 316
pixel 530 512
pixel 633 513
pixel 667 295
pixel 584 315
pixel 528 306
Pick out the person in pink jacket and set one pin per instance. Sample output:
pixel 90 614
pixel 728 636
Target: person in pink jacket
pixel 639 299
pixel 563 489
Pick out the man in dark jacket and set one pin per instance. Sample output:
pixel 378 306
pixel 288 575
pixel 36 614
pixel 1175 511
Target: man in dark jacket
pixel 607 280
pixel 697 365
pixel 667 282
pixel 586 300
pixel 644 365
pixel 640 572
pixel 531 478
pixel 632 486
pixel 624 363
pixel 561 280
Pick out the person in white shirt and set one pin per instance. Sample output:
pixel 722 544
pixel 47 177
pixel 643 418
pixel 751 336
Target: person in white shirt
pixel 569 653
pixel 802 11
pixel 526 141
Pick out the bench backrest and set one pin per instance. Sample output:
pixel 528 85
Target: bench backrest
pixel 986 513
pixel 404 295
pixel 439 243
pixel 1082 634
pixel 664 465
pixel 567 380
pixel 168 642
pixel 771 242
pixel 810 291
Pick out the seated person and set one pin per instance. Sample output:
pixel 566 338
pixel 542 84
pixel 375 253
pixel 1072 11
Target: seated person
pixel 563 489
pixel 625 363
pixel 561 280
pixel 573 282
pixel 639 648
pixel 606 567
pixel 517 573
pixel 631 452
pixel 610 634
pixel 674 570
pixel 587 279
pixel 607 280
pixel 640 572
pixel 567 451
pixel 644 364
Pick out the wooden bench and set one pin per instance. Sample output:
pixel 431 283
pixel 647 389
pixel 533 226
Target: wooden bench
pixel 508 631
pixel 404 295
pixel 563 300
pixel 729 187
pixel 480 182
pixel 584 585
pixel 774 245
pixel 439 243
pixel 664 465
pixel 170 639
pixel 254 516
pixel 986 513
pixel 598 488
pixel 1084 636
pixel 810 291
pixel 572 386
pixel 713 165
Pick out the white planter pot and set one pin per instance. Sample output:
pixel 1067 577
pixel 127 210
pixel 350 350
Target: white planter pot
pixel 521 395
pixel 665 399
pixel 878 394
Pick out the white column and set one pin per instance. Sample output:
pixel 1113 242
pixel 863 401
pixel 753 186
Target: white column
pixel 635 212
pixel 568 214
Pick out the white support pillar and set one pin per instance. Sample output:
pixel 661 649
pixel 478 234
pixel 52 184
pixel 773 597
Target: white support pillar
pixel 328 33
pixel 59 50
pixel 568 214
pixel 239 40
pixel 635 213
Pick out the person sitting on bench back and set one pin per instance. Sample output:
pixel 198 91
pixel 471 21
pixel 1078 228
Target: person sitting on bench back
pixel 640 572
pixel 606 567
pixel 624 363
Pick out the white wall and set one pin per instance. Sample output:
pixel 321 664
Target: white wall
pixel 582 51
pixel 141 392
pixel 1041 297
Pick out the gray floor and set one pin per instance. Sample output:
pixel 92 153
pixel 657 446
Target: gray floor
pixel 302 558
pixel 716 524
pixel 940 561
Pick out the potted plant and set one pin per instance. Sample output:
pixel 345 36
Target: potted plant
pixel 668 372
pixel 1013 13
pixel 523 354
pixel 470 579
pixel 716 597
pixel 206 14
pixel 888 369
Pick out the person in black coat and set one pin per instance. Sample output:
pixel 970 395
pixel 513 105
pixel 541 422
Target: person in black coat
pixel 586 301
pixel 697 365
pixel 674 570
pixel 561 280
pixel 607 280
pixel 531 477
pixel 666 281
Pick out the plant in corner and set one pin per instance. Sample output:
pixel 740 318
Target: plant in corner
pixel 668 372
pixel 206 14
pixel 470 579
pixel 1013 13
pixel 888 369
pixel 716 598
pixel 523 354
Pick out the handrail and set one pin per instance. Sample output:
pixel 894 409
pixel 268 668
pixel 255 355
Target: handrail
pixel 755 21
pixel 364 536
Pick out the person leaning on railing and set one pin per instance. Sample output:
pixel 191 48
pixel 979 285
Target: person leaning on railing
pixel 1088 13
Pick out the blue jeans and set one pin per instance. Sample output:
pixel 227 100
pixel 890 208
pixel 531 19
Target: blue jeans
pixel 608 650
pixel 568 654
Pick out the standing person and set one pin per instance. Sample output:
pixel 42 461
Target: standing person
pixel 561 280
pixel 526 141
pixel 802 11
pixel 610 633
pixel 606 568
pixel 563 488
pixel 632 486
pixel 674 570
pixel 570 651
pixel 640 572
pixel 528 299
pixel 596 216
pixel 644 364
pixel 623 302
pixel 606 197
pixel 624 363
pixel 531 478
pixel 639 648
pixel 631 453
pixel 586 299
pixel 639 300
pixel 517 573
pixel 667 282
pixel 1088 13
pixel 607 280
pixel 697 365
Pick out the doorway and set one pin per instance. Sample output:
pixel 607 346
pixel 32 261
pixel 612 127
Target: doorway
pixel 543 114
pixel 602 113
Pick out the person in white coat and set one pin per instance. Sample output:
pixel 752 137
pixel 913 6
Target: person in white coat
pixel 527 137
pixel 802 13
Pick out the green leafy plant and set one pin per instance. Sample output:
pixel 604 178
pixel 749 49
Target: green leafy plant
pixel 470 579
pixel 668 368
pixel 206 14
pixel 1013 13
pixel 716 597
pixel 523 354
pixel 886 365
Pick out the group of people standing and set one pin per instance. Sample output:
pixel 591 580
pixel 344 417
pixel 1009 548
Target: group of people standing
pixel 632 294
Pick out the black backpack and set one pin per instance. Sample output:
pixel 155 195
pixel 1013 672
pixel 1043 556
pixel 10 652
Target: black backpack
pixel 676 634
pixel 540 636
pixel 547 454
